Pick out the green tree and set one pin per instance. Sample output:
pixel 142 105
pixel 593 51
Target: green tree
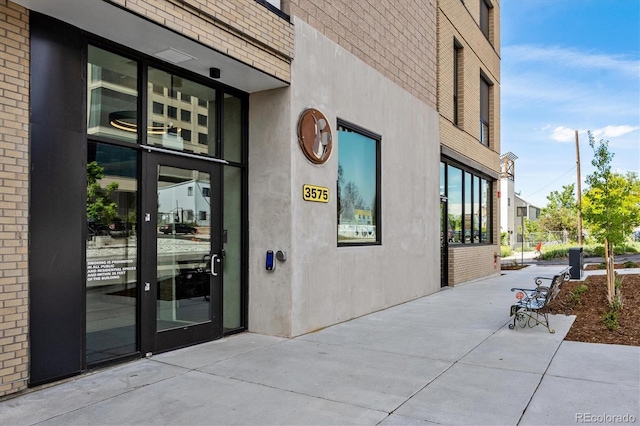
pixel 610 208
pixel 100 207
pixel 561 212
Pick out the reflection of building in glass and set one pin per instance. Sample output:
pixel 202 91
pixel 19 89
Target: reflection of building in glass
pixel 362 217
pixel 185 202
pixel 179 110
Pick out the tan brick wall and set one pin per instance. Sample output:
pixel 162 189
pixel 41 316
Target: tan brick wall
pixel 460 21
pixel 397 38
pixel 242 29
pixel 472 262
pixel 14 180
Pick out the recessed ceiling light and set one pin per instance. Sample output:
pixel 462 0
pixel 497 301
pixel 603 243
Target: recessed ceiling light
pixel 174 56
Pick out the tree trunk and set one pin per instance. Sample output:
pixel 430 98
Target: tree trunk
pixel 610 272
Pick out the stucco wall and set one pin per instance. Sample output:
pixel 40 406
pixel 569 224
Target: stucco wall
pixel 396 38
pixel 270 219
pixel 329 284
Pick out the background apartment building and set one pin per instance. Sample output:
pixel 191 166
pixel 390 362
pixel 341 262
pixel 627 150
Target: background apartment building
pixel 469 108
pixel 299 143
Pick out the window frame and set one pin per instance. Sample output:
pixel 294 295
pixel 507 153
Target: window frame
pixel 476 203
pixel 485 111
pixel 457 63
pixel 485 18
pixel 350 127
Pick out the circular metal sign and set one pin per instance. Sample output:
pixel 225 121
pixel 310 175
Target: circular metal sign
pixel 314 136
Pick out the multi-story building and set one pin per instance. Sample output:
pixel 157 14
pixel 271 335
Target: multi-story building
pixel 265 128
pixel 514 209
pixel 469 109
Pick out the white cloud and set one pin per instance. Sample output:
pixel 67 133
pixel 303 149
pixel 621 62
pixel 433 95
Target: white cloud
pixel 573 58
pixel 563 134
pixel 613 131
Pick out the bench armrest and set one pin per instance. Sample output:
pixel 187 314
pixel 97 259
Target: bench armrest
pixel 524 289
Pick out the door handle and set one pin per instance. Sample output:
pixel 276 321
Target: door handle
pixel 214 259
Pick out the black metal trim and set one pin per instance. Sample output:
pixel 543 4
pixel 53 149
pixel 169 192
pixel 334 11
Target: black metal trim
pixel 378 138
pixel 274 9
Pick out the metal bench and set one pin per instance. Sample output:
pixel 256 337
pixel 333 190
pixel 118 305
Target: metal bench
pixel 532 307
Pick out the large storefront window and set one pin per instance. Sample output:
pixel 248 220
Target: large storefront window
pixel 111 250
pixel 198 234
pixel 468 196
pixel 358 186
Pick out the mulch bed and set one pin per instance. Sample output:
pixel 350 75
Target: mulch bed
pixel 589 324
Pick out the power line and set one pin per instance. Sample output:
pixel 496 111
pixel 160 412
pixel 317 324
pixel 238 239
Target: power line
pixel 560 177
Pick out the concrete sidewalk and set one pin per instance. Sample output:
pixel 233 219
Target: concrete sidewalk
pixel 447 358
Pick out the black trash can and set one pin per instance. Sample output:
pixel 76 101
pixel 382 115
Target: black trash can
pixel 576 262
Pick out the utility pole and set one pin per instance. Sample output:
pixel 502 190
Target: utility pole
pixel 579 192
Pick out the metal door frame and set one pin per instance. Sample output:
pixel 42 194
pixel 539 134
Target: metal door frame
pixel 152 341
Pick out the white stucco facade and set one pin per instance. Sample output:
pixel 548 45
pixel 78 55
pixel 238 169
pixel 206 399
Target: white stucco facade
pixel 321 284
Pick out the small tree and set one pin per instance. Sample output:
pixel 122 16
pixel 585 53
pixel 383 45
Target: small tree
pixel 611 209
pixel 561 212
pixel 100 207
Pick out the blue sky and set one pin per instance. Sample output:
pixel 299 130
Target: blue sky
pixel 568 65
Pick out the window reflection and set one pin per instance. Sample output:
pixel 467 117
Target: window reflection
pixel 183 248
pixel 112 95
pixel 357 187
pixel 468 221
pixel 232 244
pixel 232 128
pixel 454 196
pixel 174 126
pixel 111 252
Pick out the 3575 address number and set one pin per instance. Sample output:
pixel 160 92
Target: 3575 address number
pixel 319 194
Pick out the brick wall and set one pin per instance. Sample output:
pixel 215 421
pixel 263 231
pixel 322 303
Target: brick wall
pixel 397 38
pixel 459 20
pixel 242 29
pixel 14 179
pixel 472 262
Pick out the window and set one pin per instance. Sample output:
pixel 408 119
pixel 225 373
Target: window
pixel 484 112
pixel 112 91
pixel 485 17
pixel 158 108
pixel 457 72
pixel 175 132
pixel 206 192
pixel 202 215
pixel 468 205
pixel 202 139
pixel 358 186
pixel 454 198
pixel 190 191
pixel 202 120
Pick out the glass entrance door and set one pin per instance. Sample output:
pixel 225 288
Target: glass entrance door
pixel 445 235
pixel 186 275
